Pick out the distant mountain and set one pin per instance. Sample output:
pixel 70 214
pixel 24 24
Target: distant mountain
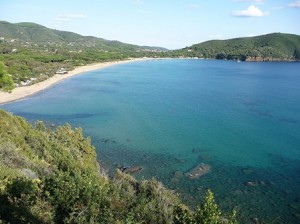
pixel 38 34
pixel 270 47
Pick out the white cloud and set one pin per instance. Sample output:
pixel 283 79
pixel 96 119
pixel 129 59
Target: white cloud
pixel 251 11
pixel 295 4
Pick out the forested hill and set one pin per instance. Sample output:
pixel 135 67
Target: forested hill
pixel 31 53
pixel 270 47
pixel 31 33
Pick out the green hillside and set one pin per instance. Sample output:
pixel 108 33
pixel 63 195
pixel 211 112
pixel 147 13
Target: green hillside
pixel 32 53
pixel 38 34
pixel 270 47
pixel 51 175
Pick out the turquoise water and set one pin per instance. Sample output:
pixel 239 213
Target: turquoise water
pixel 168 116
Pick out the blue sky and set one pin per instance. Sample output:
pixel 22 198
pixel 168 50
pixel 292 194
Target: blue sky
pixel 167 23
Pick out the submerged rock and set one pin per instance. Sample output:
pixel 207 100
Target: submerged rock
pixel 255 183
pixel 198 171
pixel 247 171
pixel 256 220
pixel 204 157
pixel 131 170
pixel 251 184
pixel 297 215
pixel 174 180
pixel 178 174
pixel 197 150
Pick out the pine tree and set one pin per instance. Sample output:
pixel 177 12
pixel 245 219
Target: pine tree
pixel 6 81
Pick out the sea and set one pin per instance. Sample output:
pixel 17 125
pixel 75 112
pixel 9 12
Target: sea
pixel 239 120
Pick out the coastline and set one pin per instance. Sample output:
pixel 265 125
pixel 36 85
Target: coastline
pixel 25 91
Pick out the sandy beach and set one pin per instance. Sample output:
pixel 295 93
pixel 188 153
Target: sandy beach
pixel 24 91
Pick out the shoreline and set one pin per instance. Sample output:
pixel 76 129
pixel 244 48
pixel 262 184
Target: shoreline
pixel 19 93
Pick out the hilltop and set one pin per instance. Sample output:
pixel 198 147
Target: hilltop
pixel 35 35
pixel 270 47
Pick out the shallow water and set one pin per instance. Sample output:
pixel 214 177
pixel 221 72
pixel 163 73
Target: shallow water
pixel 242 119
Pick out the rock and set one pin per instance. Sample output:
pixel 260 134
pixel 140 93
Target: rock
pixel 255 183
pixel 200 189
pixel 262 183
pixel 204 157
pixel 247 171
pixel 237 192
pixel 131 170
pixel 295 206
pixel 197 150
pixel 256 221
pixel 198 171
pixel 174 180
pixel 297 215
pixel 178 174
pixel 251 183
pixel 105 140
pixel 287 192
pixel 180 160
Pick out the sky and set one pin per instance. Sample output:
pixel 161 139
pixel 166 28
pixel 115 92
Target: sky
pixel 172 24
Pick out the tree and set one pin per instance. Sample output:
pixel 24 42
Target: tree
pixel 6 81
pixel 220 56
pixel 297 54
pixel 206 213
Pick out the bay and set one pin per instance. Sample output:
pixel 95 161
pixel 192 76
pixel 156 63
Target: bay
pixel 168 116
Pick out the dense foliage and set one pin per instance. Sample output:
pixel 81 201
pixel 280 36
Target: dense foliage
pixel 51 176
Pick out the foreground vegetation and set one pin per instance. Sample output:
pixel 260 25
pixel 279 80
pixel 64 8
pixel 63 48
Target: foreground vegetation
pixel 52 176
